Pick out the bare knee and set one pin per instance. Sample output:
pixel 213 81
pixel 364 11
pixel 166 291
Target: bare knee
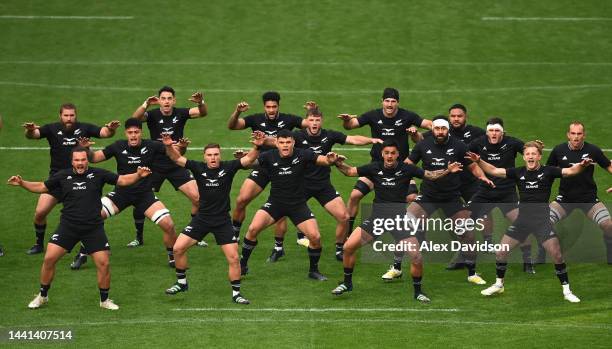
pixel 343 217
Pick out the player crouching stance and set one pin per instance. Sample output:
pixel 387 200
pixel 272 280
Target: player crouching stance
pixel 214 179
pixel 391 184
pixel 81 188
pixel 534 183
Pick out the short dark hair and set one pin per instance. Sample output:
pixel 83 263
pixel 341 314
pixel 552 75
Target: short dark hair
pixel 495 120
pixel 212 146
pixel 438 117
pixel 271 96
pixel 389 143
pixel 166 89
pixel 78 149
pixel 133 122
pixel 314 112
pixel 458 106
pixel 284 133
pixel 67 106
pixel 390 92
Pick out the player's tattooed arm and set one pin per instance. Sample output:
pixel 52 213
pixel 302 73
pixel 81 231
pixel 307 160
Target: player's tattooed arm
pixel 31 130
pixel 129 179
pixel 235 122
pixel 202 109
pixel 576 168
pixel 34 187
pixel 346 169
pixel 485 166
pixel 140 112
pixel 171 150
pixel 453 167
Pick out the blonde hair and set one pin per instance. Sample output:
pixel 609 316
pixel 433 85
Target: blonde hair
pixel 538 144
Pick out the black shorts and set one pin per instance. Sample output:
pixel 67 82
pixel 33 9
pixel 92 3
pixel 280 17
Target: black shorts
pixel 140 200
pixel 430 204
pixel 322 193
pixel 200 226
pixel 374 225
pixel 177 177
pixel 570 205
pixel 296 213
pixel 486 200
pixel 413 189
pixel 541 229
pixel 93 237
pixel 468 190
pixel 57 192
pixel 260 177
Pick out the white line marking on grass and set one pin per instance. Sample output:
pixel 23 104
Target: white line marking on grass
pixel 177 63
pixel 446 322
pixel 561 19
pixel 68 17
pixel 321 310
pixel 315 92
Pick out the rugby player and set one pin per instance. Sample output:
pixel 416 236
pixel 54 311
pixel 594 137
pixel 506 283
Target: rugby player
pixel 130 154
pixel 81 189
pixel 269 122
pixel 391 180
pixel 286 167
pixel 388 122
pixel 580 192
pixel 318 182
pixel 168 119
pixel 62 137
pixel 214 178
pixel 534 183
pixel 436 153
pixel 500 150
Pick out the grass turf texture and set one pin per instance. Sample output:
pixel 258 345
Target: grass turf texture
pixel 537 75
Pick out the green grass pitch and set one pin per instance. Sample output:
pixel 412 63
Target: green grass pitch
pixel 537 74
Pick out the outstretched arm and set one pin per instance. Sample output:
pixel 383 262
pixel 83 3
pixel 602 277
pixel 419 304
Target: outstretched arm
pixel 129 179
pixel 202 109
pixel 485 166
pixel 32 131
pixel 362 140
pixel 576 168
pixel 328 159
pixel 435 175
pixel 34 187
pixel 346 169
